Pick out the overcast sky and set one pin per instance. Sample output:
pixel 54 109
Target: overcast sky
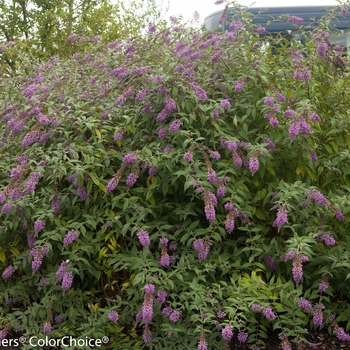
pixel 205 7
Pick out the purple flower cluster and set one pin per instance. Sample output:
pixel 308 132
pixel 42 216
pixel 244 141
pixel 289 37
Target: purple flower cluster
pixel 281 217
pixel 22 160
pixel 147 334
pixel 161 296
pixel 173 246
pixel 170 107
pixel 119 135
pixel 253 164
pixel 81 192
pixel 269 101
pixel 220 314
pixel 229 145
pixel 167 311
pixel 202 248
pixel 313 156
pixel 285 344
pixel 339 215
pixel 238 85
pixel 59 319
pixel 269 143
pixel 289 113
pixel 152 171
pixel 256 307
pixel 323 286
pixel 300 74
pixel 31 241
pixel 130 158
pixel 297 269
pixel 328 240
pixel 8 272
pixel 340 334
pixel 212 176
pixel 305 304
pixel 227 332
pixel 210 201
pixel 131 179
pixel 270 263
pixel 260 30
pixel 70 237
pixel 237 159
pixel 221 191
pixel 65 275
pixel 200 93
pixel 299 126
pixel 38 255
pixel 140 96
pixel 165 258
pixel 31 137
pixel 295 19
pixel 242 337
pixel 321 50
pixel 202 343
pixel 318 197
pixel 268 313
pixel 188 156
pixel 7 207
pixel 39 226
pixel 146 312
pixel 216 57
pixel 230 217
pixel 175 316
pixel 113 316
pixel 143 237
pixel 111 184
pixel 61 270
pixel 43 281
pixel 315 117
pixel 280 97
pixel 161 133
pixel 32 181
pixel 67 281
pixel 225 104
pixel 175 125
pixel 318 316
pixel 215 154
pixel 47 328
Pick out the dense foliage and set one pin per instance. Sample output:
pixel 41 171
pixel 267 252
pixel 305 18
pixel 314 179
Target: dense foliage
pixel 178 189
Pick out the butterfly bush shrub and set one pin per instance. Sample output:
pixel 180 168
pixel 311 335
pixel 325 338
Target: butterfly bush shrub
pixel 180 189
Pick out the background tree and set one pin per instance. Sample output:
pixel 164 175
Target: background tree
pixel 41 27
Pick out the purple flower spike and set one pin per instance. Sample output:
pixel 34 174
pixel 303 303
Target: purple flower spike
pixel 144 238
pixel 253 165
pixel 113 316
pixel 318 317
pixel 269 101
pixel 39 226
pixel 47 328
pixel 242 337
pixel 70 237
pixel 268 313
pixel 149 288
pixel 8 272
pixel 305 304
pixel 323 286
pixel 227 333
